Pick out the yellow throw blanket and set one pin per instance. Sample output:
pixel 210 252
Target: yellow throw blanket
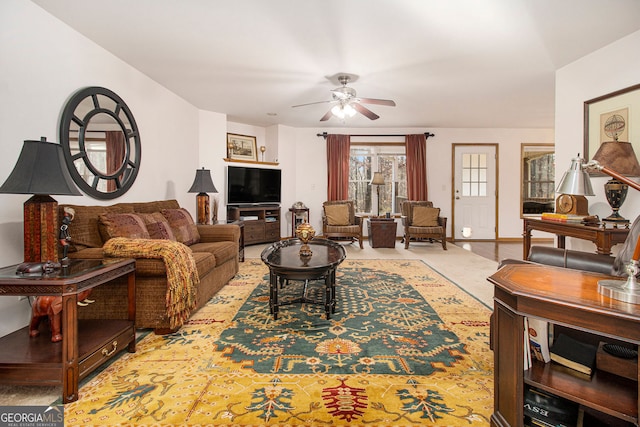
pixel 182 276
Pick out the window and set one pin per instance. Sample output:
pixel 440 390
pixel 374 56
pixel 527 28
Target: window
pixel 391 160
pixel 538 179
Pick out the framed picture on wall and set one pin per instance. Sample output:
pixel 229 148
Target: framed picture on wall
pixel 612 117
pixel 242 147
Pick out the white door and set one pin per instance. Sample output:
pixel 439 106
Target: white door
pixel 475 195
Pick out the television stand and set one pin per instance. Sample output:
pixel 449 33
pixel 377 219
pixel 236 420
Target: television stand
pixel 261 223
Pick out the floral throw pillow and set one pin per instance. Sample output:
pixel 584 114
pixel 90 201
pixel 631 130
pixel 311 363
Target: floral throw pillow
pixel 127 225
pixel 157 225
pixel 182 225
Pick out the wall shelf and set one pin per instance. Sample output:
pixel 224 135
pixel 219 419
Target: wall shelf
pixel 226 159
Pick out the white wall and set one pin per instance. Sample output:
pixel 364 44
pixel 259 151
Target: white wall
pixel 42 63
pixel 311 167
pixel 606 70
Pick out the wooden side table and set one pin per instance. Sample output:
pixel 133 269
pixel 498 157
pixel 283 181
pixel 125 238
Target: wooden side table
pixel 85 345
pixel 298 216
pixel 603 237
pixel 240 224
pixel 382 232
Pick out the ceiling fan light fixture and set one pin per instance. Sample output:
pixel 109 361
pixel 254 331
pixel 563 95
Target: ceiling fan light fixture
pixel 343 111
pixel 349 110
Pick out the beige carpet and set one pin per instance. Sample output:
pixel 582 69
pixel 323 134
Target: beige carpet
pixel 463 267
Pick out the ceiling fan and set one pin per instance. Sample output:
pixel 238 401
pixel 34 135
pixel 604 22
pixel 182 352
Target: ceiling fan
pixel 347 104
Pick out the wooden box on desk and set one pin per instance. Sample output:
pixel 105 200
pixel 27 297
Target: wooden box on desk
pixel 382 232
pixel 627 368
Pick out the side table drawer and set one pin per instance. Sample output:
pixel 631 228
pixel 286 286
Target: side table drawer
pixel 119 338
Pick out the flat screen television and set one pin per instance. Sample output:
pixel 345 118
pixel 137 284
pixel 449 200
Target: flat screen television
pixel 253 186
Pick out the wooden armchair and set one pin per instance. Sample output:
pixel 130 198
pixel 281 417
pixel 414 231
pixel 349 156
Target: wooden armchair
pixel 340 222
pixel 422 222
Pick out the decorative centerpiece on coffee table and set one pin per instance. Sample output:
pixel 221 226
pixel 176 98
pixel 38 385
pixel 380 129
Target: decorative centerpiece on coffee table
pixel 305 233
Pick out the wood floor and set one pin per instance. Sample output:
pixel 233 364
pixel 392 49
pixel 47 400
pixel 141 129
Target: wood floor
pixel 496 251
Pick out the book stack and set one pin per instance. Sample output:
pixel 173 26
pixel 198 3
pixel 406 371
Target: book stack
pixel 546 409
pixel 540 334
pixel 574 354
pixel 551 216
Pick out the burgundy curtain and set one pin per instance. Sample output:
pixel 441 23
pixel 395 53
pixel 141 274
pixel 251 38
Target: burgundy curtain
pixel 416 146
pixel 338 147
pixel 115 154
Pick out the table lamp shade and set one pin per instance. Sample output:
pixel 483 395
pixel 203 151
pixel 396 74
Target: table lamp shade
pixel 618 156
pixel 203 184
pixel 576 180
pixel 41 171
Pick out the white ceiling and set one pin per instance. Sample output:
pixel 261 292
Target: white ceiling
pixel 446 63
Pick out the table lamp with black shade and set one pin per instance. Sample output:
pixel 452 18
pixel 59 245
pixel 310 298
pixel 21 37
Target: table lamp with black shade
pixel 41 171
pixel 203 184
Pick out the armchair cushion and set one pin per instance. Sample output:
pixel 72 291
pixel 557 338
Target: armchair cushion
pixel 337 214
pixel 424 216
pixel 182 225
pixel 122 225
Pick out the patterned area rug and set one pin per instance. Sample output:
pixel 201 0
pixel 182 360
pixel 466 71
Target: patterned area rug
pixel 405 347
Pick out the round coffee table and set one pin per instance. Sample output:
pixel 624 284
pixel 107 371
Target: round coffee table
pixel 285 263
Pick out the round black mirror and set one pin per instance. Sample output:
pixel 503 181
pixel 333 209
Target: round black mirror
pixel 101 143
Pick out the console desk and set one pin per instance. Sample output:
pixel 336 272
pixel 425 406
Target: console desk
pixel 563 297
pixel 604 236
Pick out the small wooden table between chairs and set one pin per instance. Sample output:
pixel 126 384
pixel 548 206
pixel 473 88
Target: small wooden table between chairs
pixel 285 264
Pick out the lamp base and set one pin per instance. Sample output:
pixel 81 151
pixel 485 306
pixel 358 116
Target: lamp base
pixel 41 229
pixel 619 290
pixel 616 193
pixel 202 208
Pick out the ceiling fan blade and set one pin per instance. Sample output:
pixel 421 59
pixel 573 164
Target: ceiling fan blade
pixel 310 103
pixel 387 102
pixel 364 111
pixel 326 116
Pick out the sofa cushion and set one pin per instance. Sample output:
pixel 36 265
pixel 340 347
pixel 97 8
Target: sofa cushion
pixel 155 267
pixel 157 225
pixel 337 214
pixel 128 225
pixel 205 262
pixel 84 229
pixel 182 225
pixel 222 251
pixel 424 216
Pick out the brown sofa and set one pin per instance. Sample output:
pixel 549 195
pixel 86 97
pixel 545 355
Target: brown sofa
pixel 215 252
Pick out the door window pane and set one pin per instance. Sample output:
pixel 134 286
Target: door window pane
pixel 474 175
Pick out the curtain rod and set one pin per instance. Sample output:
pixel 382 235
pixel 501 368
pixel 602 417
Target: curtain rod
pixel 325 134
